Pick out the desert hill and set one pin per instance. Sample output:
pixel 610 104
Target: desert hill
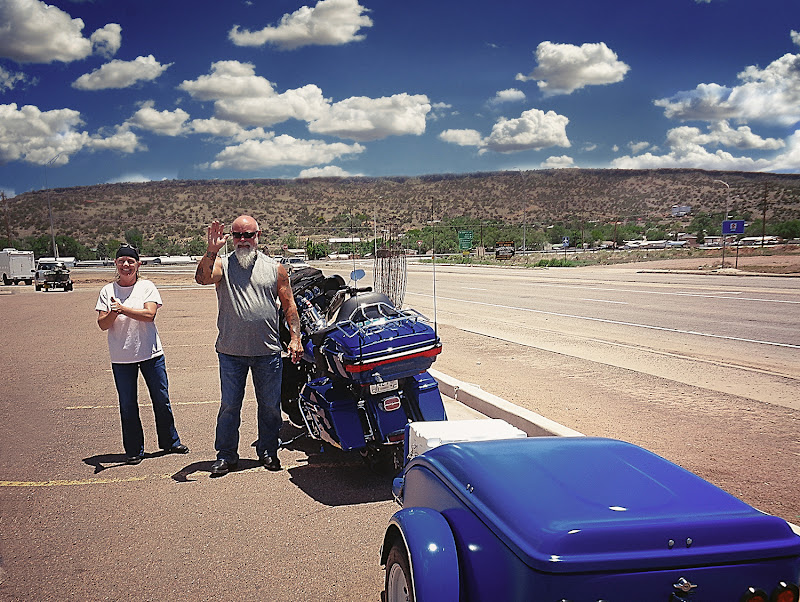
pixel 321 207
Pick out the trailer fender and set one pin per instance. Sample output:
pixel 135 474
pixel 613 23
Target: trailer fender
pixel 431 549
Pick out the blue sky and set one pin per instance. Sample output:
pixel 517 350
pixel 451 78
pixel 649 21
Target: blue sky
pixel 105 91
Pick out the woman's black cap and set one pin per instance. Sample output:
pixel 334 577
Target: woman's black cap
pixel 127 251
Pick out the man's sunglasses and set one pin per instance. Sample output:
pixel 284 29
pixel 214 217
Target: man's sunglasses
pixel 243 234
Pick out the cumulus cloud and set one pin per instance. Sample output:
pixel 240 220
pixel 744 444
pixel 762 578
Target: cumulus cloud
pixel 510 95
pixel 240 96
pixel 769 95
pixel 329 23
pixel 165 123
pixel 638 147
pixel 364 119
pixel 245 98
pixel 561 162
pixel 687 148
pixel 35 32
pixel 533 130
pixel 281 150
pixel 329 171
pixel 564 68
pixel 35 136
pixel 10 79
pixel 106 41
pixel 121 74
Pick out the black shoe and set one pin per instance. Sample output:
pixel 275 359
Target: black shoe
pixel 178 449
pixel 270 462
pixel 133 460
pixel 222 466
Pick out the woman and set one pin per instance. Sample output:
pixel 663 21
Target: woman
pixel 127 310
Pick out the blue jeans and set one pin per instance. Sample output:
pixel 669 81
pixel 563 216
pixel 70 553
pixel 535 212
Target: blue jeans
pixel 126 378
pixel 233 369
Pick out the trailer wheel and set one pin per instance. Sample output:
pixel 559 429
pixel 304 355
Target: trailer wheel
pixel 6 281
pixel 398 585
pixel 28 281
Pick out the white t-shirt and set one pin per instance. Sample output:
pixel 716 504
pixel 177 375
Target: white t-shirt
pixel 129 340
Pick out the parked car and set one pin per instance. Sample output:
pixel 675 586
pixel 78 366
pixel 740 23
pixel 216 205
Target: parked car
pixel 293 263
pixel 580 519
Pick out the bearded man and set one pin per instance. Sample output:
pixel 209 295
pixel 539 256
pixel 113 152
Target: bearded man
pixel 251 288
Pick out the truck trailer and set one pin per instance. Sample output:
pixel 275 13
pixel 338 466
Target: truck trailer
pixel 16 266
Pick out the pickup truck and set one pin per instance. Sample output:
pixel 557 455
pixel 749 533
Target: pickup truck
pixel 51 275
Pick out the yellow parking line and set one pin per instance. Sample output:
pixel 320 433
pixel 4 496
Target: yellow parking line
pixel 68 483
pixel 62 483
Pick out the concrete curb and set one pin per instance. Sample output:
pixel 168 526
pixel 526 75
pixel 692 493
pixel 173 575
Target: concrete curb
pixel 535 425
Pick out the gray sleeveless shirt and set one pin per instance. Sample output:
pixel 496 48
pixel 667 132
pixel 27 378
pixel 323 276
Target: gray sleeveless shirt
pixel 248 307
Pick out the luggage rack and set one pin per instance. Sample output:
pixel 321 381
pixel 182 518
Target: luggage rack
pixel 381 319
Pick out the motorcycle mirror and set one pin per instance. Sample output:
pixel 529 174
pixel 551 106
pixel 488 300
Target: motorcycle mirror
pixel 357 275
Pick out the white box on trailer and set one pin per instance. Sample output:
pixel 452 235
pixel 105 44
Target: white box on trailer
pixel 422 436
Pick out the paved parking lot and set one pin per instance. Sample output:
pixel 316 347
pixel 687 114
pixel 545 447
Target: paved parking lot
pixel 77 523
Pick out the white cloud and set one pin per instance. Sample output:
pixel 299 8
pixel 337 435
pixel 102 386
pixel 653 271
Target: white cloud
pixel 121 74
pixel 687 148
pixel 35 32
pixel 533 130
pixel 462 137
pixel 564 68
pixel 245 98
pixel 106 41
pixel 638 147
pixel 329 23
pixel 769 95
pixel 510 95
pixel 242 97
pixel 281 150
pixel 10 79
pixel 227 129
pixel 364 119
pixel 35 136
pixel 165 123
pixel 228 79
pixel 561 162
pixel 329 171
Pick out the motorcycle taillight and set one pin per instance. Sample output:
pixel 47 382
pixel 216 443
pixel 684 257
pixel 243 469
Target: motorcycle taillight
pixel 390 404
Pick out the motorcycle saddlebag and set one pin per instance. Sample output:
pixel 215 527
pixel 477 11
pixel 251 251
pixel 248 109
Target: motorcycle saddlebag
pixel 334 413
pixel 379 353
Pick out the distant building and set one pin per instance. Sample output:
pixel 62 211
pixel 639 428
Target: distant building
pixel 681 210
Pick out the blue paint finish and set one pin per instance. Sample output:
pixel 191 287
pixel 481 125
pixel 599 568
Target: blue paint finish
pixel 432 551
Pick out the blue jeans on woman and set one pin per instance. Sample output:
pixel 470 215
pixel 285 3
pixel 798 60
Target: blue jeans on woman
pixel 267 371
pixel 126 378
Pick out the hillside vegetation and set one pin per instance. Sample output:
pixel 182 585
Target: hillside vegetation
pixel 323 207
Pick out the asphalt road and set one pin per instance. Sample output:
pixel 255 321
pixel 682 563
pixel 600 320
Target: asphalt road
pixel 702 370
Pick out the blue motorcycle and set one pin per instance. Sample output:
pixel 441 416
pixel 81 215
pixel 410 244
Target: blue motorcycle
pixel 363 376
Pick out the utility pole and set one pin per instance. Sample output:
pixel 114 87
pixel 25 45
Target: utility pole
pixel 764 217
pixel 8 225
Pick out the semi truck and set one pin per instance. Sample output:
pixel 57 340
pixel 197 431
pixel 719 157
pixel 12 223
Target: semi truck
pixel 16 266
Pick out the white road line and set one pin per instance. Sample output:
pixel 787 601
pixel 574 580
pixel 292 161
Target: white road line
pixel 618 322
pixel 606 301
pixel 723 295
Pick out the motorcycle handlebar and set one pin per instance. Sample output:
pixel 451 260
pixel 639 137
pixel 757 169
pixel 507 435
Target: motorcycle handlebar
pixel 354 290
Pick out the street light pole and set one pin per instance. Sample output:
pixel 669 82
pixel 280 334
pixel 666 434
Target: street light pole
pixel 724 217
pixel 49 206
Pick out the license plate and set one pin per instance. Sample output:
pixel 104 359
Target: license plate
pixel 389 385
